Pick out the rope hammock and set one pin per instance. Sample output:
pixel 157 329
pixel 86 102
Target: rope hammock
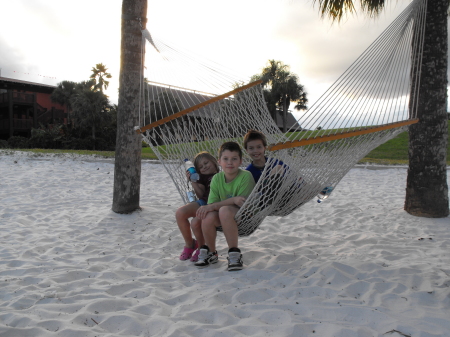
pixel 372 102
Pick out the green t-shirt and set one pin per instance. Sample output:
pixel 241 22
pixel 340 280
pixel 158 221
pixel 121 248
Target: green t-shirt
pixel 241 186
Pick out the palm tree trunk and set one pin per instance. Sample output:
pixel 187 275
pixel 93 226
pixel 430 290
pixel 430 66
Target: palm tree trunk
pixel 427 189
pixel 127 169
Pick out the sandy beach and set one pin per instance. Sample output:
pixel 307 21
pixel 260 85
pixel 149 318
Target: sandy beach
pixel 355 265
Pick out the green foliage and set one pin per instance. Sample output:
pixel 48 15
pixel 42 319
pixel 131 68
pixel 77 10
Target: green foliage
pixel 89 106
pixel 89 109
pixel 72 138
pixel 392 152
pixel 92 124
pixel 17 142
pixel 4 144
pixel 63 93
pixel 46 137
pixel 99 73
pixel 281 87
pixel 336 10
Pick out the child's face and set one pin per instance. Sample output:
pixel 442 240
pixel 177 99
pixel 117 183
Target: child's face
pixel 230 161
pixel 206 166
pixel 256 149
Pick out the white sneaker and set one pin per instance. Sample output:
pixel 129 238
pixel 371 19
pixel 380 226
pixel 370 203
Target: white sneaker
pixel 205 258
pixel 235 259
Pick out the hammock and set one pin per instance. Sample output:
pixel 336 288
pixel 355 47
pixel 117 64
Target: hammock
pixel 372 102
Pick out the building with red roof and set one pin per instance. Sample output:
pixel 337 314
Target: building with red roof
pixel 26 105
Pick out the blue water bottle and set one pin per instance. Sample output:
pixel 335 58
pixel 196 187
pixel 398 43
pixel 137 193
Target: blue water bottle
pixel 190 167
pixel 324 194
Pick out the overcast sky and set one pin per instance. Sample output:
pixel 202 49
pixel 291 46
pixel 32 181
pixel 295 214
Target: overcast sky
pixel 48 41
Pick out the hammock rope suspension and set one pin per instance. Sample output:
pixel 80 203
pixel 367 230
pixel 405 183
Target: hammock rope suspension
pixel 374 100
pixel 348 134
pixel 196 107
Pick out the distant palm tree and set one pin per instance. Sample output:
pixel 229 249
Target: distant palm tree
pixel 426 186
pixel 63 94
pixel 281 87
pixel 89 107
pixel 99 75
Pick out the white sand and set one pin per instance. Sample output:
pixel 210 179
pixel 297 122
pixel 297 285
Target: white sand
pixel 356 265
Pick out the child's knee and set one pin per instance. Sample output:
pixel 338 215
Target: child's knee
pixel 206 223
pixel 227 212
pixel 184 212
pixel 180 213
pixel 209 223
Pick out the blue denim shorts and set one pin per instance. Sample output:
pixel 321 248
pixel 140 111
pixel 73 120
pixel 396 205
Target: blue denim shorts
pixel 201 202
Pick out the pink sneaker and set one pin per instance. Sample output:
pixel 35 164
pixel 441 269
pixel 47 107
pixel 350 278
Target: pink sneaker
pixel 194 257
pixel 187 252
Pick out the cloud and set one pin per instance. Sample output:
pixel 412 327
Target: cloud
pixel 50 15
pixel 11 58
pixel 66 39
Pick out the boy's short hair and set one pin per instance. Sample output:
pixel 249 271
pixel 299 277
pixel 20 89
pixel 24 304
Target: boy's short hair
pixel 254 135
pixel 199 156
pixel 230 146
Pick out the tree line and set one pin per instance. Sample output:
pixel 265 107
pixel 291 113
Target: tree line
pixel 91 122
pixel 92 119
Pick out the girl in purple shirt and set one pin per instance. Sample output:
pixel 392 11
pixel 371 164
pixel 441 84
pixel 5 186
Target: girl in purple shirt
pixel 206 165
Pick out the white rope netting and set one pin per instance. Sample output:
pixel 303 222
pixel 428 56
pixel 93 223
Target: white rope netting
pixel 372 102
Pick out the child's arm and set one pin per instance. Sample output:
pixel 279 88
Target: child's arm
pixel 277 170
pixel 245 189
pixel 277 166
pixel 199 189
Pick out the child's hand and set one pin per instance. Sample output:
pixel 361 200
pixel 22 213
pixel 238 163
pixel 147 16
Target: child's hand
pixel 202 211
pixel 239 201
pixel 277 170
pixel 188 175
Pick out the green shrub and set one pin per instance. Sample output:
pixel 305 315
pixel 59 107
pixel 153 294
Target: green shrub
pixel 17 142
pixel 78 143
pixel 3 144
pixel 109 135
pixel 47 137
pixel 101 144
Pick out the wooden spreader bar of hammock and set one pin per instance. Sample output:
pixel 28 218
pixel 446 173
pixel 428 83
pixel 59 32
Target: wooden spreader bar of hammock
pixel 348 134
pixel 196 107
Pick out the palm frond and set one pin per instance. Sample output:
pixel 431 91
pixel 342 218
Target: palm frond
pixel 372 7
pixel 336 9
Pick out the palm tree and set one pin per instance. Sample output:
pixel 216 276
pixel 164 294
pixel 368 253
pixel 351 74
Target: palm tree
pixel 99 73
pixel 89 107
pixel 127 168
pixel 426 186
pixel 63 94
pixel 281 87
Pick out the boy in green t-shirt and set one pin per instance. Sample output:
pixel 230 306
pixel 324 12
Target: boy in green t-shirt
pixel 228 191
